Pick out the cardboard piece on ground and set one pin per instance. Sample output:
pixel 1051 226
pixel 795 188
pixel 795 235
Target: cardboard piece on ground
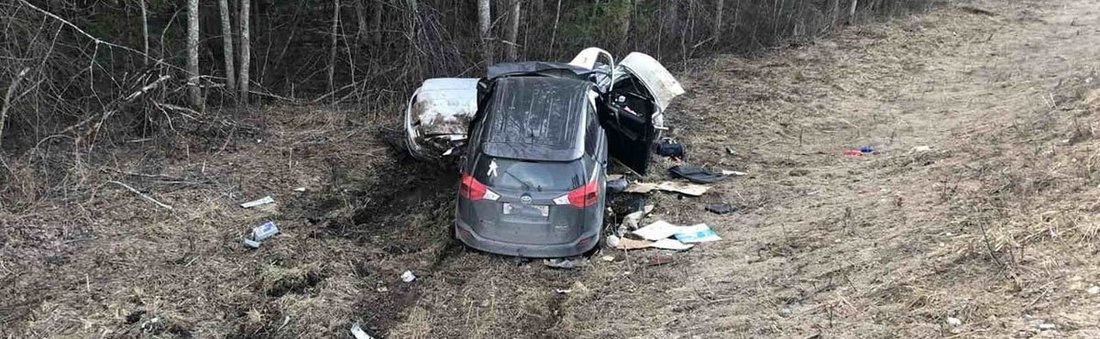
pixel 613 177
pixel 684 188
pixel 696 233
pixel 671 244
pixel 670 186
pixel 261 201
pixel 632 244
pixel 657 230
pixel 640 187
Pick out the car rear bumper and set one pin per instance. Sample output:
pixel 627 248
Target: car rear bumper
pixel 588 240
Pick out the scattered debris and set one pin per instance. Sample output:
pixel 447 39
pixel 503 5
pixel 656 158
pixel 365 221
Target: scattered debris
pixel 668 186
pixel 785 312
pixel 617 185
pixel 853 153
pixel 627 244
pixel 562 290
pixel 251 243
pixel 671 244
pixel 720 208
pixel 300 189
pixel 262 232
pixel 669 148
pixel 657 230
pixel 694 174
pixel 565 263
pixel 630 221
pixel 954 321
pixel 261 201
pixel 1094 289
pixel 695 234
pixel 134 316
pixel 867 150
pixel 730 151
pixel 612 177
pixel 920 149
pixel 1047 327
pixel 520 261
pixel 659 260
pixel 608 258
pixel 408 277
pixel 358 332
pixel 733 173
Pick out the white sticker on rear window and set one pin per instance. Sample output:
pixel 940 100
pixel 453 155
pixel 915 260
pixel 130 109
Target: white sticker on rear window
pixel 492 169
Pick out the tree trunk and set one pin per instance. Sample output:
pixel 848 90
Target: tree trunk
pixel 332 52
pixel 144 32
pixel 852 12
pixel 718 22
pixel 361 19
pixel 379 9
pixel 554 34
pixel 227 46
pixel 246 54
pixel 484 21
pixel 193 89
pixel 513 30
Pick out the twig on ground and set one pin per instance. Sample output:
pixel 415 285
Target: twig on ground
pixel 143 195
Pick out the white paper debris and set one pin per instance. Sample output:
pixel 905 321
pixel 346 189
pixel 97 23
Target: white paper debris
pixel 408 277
pixel 658 230
pixel 671 244
pixel 258 202
pixel 359 333
pixel 696 233
pixel 734 173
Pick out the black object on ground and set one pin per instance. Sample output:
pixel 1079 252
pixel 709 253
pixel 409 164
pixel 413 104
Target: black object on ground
pixel 617 185
pixel 721 208
pixel 694 174
pixel 669 148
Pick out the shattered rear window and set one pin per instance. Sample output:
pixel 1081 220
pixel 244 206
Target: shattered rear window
pixel 538 118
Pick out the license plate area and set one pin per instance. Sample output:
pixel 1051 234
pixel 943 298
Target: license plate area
pixel 529 211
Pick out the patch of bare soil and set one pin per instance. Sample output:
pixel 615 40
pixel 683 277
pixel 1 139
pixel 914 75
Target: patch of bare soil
pixel 975 218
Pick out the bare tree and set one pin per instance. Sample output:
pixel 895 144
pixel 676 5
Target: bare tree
pixel 332 52
pixel 193 54
pixel 245 54
pixel 718 21
pixel 484 23
pixel 513 30
pixel 379 9
pixel 227 46
pixel 852 12
pixel 361 19
pixel 144 32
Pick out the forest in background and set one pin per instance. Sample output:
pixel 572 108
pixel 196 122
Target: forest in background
pixel 79 77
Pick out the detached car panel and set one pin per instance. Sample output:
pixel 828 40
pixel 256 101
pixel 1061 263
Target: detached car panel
pixel 438 115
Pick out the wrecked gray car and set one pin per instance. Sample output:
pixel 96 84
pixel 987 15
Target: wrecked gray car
pixel 534 150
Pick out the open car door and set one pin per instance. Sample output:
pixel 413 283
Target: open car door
pixel 634 109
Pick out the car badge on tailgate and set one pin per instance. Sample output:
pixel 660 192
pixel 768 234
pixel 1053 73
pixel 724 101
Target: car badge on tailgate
pixel 526 199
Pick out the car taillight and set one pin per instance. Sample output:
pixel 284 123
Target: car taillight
pixel 471 189
pixel 581 197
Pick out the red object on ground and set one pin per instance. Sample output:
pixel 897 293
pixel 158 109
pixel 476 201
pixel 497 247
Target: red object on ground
pixel 852 153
